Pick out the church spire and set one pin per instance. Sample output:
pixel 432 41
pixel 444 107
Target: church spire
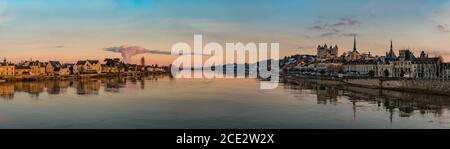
pixel 391 54
pixel 354 43
pixel 391 46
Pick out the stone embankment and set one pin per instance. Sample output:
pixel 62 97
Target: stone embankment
pixel 441 87
pixel 438 86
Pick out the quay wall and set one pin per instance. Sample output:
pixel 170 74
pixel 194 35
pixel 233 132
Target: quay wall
pixel 426 86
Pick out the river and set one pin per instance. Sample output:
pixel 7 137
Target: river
pixel 164 102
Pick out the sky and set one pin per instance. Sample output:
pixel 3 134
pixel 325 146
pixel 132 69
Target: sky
pixel 69 30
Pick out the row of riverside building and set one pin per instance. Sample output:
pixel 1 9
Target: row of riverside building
pixel 56 68
pixel 356 64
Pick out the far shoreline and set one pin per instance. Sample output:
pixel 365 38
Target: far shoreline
pixel 8 79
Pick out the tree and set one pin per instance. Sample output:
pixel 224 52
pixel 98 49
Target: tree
pixel 386 73
pixel 322 72
pixel 402 74
pixel 371 73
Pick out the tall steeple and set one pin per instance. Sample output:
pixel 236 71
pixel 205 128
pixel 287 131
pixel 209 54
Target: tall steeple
pixel 354 43
pixel 391 46
pixel 391 54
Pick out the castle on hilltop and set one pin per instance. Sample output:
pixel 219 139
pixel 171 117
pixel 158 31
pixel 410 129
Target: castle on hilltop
pixel 325 52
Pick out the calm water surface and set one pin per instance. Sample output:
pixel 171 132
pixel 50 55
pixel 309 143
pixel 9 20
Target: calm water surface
pixel 162 102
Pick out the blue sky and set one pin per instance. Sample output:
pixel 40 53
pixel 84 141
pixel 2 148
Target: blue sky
pixel 74 29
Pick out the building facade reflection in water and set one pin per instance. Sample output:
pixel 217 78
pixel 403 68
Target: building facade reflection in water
pixel 404 102
pixel 162 102
pixel 82 87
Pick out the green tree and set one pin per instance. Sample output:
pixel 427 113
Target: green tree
pixel 386 73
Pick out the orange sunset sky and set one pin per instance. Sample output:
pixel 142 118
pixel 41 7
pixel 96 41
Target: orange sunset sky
pixel 69 30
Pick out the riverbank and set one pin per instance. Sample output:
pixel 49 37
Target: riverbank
pixel 4 79
pixel 435 87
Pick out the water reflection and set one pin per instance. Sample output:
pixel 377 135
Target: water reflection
pixel 405 103
pixel 82 87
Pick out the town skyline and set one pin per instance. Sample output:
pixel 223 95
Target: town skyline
pixel 137 58
pixel 72 30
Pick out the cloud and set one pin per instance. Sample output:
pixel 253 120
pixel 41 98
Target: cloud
pixel 440 19
pixel 304 47
pixel 335 29
pixel 343 22
pixel 328 34
pixel 338 34
pixel 317 27
pixel 346 21
pixel 442 28
pixel 56 47
pixel 349 35
pixel 129 51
